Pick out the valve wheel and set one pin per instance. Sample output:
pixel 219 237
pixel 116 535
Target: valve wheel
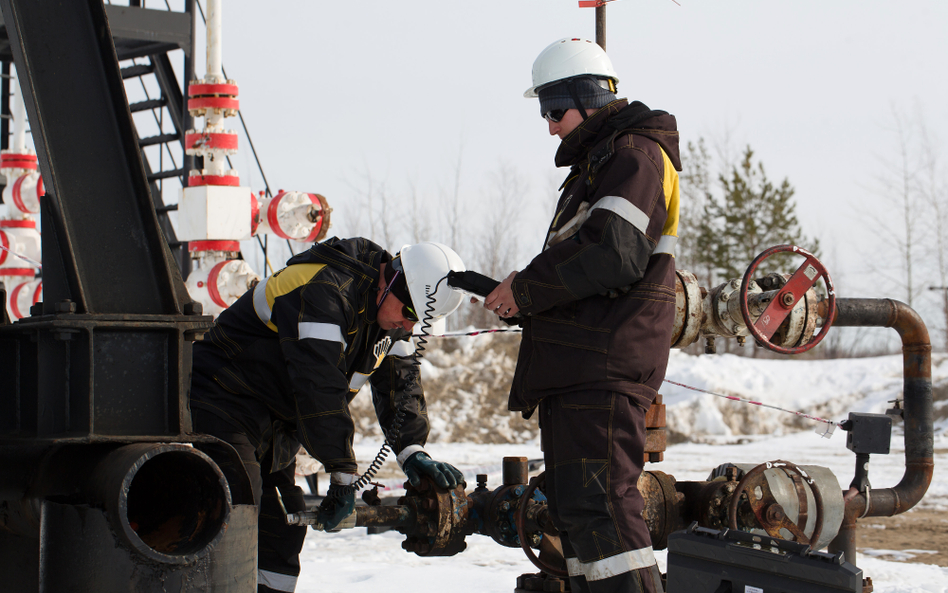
pixel 769 513
pixel 786 299
pixel 550 560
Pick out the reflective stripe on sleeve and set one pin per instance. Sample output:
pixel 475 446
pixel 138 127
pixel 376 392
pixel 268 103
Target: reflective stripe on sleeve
pixel 402 348
pixel 321 331
pixel 407 452
pixel 626 209
pixel 357 381
pixel 618 564
pixel 260 304
pixel 666 245
pixel 276 581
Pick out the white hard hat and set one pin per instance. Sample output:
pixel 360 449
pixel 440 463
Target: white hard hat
pixel 570 57
pixel 425 265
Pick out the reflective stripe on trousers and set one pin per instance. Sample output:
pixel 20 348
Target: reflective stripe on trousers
pixel 276 581
pixel 611 566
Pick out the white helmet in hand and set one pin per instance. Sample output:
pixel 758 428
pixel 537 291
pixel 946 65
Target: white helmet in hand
pixel 425 265
pixel 571 57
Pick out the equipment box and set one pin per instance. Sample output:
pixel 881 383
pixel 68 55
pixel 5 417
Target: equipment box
pixel 704 560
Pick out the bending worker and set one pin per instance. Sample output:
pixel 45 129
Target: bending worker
pixel 280 366
pixel 598 305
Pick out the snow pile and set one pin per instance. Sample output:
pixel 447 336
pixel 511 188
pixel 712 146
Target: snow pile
pixel 466 383
pixel 467 379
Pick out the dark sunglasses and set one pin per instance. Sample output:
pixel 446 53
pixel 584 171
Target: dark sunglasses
pixel 555 115
pixel 407 312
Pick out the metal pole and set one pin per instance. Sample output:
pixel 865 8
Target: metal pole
pixel 601 26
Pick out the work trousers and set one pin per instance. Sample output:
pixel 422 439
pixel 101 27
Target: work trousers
pixel 593 447
pixel 278 544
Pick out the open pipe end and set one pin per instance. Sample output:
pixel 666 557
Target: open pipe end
pixel 168 502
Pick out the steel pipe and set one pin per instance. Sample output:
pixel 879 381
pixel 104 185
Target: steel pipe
pixel 917 414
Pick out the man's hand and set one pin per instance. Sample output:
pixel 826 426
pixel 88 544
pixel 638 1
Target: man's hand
pixel 444 475
pixel 338 504
pixel 501 300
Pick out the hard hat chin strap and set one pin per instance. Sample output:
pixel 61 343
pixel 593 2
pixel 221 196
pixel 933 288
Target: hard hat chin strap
pixel 571 86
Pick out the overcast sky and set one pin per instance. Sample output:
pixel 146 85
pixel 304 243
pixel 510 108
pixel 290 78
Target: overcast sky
pixel 337 93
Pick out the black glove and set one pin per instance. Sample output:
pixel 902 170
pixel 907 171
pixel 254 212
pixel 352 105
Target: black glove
pixel 338 504
pixel 444 474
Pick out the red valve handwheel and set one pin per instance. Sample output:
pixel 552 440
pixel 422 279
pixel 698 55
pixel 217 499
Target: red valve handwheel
pixel 787 298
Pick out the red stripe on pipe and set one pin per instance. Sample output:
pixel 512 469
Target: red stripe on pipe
pixel 17 224
pixel 213 103
pixel 6 245
pixel 199 180
pixel 212 284
pixel 211 140
pixel 14 297
pixel 214 246
pixel 17 156
pixel 18 272
pixel 197 90
pixel 17 196
pixel 319 223
pixel 31 165
pixel 254 213
pixel 272 218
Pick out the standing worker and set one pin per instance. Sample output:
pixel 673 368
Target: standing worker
pixel 598 305
pixel 280 366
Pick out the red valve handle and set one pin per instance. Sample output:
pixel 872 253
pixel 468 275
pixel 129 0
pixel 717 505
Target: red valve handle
pixel 787 298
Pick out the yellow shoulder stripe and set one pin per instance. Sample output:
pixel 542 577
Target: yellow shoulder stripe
pixel 670 185
pixel 287 280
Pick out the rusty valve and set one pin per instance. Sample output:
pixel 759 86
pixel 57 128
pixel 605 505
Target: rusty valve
pixel 771 517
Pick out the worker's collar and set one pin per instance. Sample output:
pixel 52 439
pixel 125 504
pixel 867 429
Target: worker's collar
pixel 574 146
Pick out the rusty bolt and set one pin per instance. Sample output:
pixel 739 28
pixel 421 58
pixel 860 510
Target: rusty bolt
pixel 709 346
pixel 787 299
pixel 505 506
pixel 775 514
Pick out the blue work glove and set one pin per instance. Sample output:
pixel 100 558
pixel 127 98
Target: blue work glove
pixel 443 474
pixel 336 506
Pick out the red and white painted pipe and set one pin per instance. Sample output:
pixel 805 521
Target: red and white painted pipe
pixel 215 213
pixel 294 215
pixel 218 281
pixel 18 165
pixel 22 294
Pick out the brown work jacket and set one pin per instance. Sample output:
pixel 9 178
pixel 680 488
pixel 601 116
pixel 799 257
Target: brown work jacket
pixel 599 301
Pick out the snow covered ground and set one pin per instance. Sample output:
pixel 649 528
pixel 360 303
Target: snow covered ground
pixel 353 562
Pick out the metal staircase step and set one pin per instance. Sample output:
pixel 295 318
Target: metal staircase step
pixel 166 174
pixel 137 70
pixel 160 139
pixel 146 105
